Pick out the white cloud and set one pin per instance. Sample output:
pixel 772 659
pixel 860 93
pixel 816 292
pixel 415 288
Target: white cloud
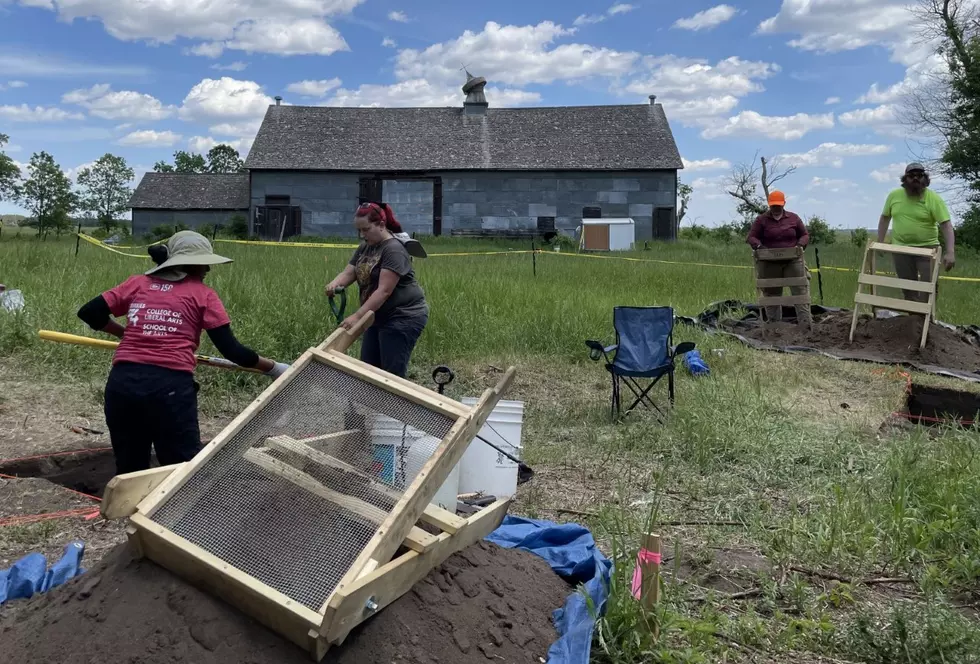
pixel 148 138
pixel 313 88
pixel 713 164
pixel 514 55
pixel 16 84
pixel 692 89
pixel 884 120
pixel 890 173
pixel 833 154
pixel 72 173
pixel 282 37
pixel 25 113
pixel 832 100
pixel 829 26
pixel 202 144
pixel 621 8
pixel 293 26
pixel 589 19
pixel 832 185
pixel 233 66
pixel 710 188
pixel 225 102
pixel 388 42
pixel 785 128
pixel 246 128
pixel 40 66
pixel 707 19
pixel 420 92
pixel 398 17
pixel 102 102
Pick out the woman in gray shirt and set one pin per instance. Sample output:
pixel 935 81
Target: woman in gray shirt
pixel 382 268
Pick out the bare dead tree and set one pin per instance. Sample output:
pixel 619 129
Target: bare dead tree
pixel 746 178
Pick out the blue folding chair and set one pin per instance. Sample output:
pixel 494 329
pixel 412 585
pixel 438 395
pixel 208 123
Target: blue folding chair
pixel 644 350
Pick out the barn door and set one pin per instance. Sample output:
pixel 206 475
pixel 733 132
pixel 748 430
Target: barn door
pixel 369 189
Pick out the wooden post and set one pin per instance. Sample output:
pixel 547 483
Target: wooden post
pixel 534 260
pixel 78 238
pixel 650 571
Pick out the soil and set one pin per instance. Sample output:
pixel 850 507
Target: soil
pixel 484 603
pixel 87 472
pixel 887 339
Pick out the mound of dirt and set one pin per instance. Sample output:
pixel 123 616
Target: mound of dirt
pixel 484 603
pixel 881 339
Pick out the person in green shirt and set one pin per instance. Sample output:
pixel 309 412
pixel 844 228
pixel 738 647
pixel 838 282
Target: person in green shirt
pixel 919 213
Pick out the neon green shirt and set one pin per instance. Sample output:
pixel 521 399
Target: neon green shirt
pixel 915 221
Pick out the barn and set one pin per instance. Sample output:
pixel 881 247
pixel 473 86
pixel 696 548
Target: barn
pixel 467 170
pixel 191 199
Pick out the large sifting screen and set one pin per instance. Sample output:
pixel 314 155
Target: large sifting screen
pixel 293 498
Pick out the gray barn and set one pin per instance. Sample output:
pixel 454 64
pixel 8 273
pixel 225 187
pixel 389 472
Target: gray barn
pixel 471 169
pixel 192 199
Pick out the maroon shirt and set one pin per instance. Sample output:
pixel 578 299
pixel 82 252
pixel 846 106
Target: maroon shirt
pixel 787 231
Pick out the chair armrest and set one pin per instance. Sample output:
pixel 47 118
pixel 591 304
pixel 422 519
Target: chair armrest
pixel 597 351
pixel 682 348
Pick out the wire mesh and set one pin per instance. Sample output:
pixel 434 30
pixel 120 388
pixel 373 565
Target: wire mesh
pixel 293 497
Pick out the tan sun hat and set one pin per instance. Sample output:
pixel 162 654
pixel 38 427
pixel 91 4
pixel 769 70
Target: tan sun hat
pixel 188 248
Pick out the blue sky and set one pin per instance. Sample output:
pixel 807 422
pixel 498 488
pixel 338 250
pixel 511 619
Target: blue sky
pixel 817 83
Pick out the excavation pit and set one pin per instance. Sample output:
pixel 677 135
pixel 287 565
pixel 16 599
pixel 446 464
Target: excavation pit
pixel 939 406
pixel 85 471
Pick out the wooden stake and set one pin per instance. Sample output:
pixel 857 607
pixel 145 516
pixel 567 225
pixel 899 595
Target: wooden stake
pixel 650 571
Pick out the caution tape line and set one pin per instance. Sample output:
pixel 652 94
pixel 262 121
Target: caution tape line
pixel 734 267
pixel 517 252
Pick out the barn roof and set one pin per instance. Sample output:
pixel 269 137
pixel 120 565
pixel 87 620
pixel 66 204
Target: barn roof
pixel 192 191
pixel 428 139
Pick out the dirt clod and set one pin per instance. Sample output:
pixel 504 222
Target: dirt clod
pixel 128 610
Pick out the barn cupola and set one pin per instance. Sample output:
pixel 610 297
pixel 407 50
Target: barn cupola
pixel 476 100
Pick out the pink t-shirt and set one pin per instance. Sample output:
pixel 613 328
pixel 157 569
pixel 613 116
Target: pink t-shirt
pixel 165 319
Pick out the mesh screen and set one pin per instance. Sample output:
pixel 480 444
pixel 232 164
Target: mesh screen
pixel 293 498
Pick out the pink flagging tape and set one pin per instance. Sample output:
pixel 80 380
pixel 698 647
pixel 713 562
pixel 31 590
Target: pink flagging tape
pixel 644 557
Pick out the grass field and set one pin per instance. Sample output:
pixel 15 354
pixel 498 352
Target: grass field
pixel 795 528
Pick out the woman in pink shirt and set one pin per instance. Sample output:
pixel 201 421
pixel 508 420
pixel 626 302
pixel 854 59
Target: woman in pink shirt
pixel 151 395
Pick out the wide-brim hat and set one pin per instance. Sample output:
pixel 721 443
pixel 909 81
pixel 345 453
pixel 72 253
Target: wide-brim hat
pixel 188 248
pixel 413 246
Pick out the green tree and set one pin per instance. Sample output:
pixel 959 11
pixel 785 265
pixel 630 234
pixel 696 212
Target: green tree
pixel 9 173
pixel 106 189
pixel 225 159
pixel 860 237
pixel 184 162
pixel 684 192
pixel 47 193
pixel 820 231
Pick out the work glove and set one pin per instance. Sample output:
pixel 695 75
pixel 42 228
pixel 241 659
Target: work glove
pixel 278 369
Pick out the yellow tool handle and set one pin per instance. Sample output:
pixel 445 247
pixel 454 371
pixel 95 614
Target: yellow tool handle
pixel 64 338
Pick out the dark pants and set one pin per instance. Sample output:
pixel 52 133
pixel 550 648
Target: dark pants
pixel 151 407
pixel 914 268
pixel 388 345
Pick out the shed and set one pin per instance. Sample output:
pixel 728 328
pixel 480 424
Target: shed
pixel 191 199
pixel 608 234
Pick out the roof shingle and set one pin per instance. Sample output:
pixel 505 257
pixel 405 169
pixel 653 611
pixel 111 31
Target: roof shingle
pixel 192 191
pixel 427 139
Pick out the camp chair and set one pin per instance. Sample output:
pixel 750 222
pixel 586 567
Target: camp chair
pixel 644 350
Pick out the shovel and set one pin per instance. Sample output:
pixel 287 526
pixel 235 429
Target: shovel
pixel 443 376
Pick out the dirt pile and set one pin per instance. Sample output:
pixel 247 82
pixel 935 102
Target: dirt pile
pixel 882 339
pixel 483 604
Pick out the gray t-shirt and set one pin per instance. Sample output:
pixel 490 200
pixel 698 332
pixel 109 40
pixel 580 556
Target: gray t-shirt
pixel 407 300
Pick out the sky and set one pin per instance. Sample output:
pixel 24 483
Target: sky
pixel 817 84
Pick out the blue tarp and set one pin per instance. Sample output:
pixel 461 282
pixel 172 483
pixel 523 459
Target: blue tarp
pixel 30 574
pixel 573 555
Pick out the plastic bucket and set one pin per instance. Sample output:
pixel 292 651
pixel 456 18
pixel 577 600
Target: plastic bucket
pixel 484 469
pixel 394 441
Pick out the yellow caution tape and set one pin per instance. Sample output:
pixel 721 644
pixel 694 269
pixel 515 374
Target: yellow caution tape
pixel 628 259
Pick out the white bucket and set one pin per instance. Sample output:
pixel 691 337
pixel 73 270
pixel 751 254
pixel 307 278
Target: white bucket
pixel 484 469
pixel 394 440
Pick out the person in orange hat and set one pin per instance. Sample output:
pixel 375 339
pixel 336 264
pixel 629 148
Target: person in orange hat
pixel 778 228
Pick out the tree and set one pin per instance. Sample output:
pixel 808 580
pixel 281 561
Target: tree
pixel 743 185
pixel 684 192
pixel 820 231
pixel 106 189
pixel 47 193
pixel 184 162
pixel 224 159
pixel 9 173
